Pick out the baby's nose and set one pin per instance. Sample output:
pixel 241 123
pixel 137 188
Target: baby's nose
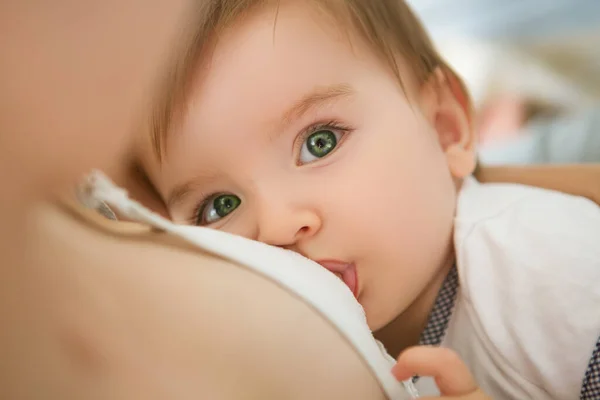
pixel 286 226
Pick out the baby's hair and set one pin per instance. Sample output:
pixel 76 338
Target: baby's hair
pixel 389 27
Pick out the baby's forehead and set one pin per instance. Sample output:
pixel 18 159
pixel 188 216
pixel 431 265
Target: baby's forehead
pixel 254 64
pixel 297 35
pixel 316 32
pixel 256 80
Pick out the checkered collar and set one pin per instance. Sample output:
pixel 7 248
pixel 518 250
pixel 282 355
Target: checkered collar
pixel 441 312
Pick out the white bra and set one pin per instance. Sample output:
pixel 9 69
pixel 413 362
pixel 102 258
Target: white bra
pixel 307 279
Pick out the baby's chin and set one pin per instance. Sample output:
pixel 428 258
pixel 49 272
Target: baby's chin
pixel 377 320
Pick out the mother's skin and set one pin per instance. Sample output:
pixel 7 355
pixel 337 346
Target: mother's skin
pixel 91 314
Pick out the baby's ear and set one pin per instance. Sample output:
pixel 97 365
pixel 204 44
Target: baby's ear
pixel 446 105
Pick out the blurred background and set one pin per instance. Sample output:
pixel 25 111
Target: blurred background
pixel 533 69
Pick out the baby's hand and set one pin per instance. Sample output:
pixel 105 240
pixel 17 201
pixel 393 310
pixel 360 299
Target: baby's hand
pixel 450 373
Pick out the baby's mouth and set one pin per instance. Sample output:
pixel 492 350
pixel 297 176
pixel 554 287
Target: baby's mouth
pixel 345 271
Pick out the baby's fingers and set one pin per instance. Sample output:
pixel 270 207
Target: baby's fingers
pixel 445 366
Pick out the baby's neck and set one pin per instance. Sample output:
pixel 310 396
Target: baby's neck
pixel 405 330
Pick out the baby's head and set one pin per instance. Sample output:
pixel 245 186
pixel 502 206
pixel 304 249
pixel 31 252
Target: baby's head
pixel 328 127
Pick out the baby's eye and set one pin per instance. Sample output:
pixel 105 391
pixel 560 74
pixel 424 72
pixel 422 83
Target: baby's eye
pixel 217 207
pixel 318 145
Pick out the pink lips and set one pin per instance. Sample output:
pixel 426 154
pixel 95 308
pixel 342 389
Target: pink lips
pixel 345 271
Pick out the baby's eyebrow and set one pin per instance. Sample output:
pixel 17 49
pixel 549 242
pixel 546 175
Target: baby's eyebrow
pixel 318 97
pixel 178 194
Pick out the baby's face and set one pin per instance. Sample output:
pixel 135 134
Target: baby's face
pixel 298 139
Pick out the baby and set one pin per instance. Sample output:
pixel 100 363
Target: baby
pixel 334 129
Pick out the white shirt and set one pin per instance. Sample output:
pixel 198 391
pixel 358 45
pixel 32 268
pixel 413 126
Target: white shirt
pixel 523 311
pixel 526 319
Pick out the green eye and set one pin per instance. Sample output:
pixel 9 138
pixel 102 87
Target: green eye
pixel 318 145
pixel 226 204
pixel 217 208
